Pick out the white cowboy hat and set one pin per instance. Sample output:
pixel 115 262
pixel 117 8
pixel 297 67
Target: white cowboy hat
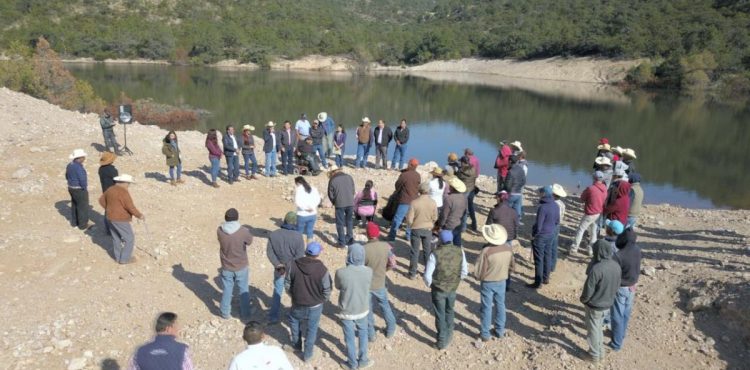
pixel 629 153
pixel 77 153
pixel 270 124
pixel 322 116
pixel 558 190
pixel 604 147
pixel 366 119
pixel 124 178
pixel 601 161
pixel 617 150
pixel 248 127
pixel 517 145
pixel 457 184
pixel 495 234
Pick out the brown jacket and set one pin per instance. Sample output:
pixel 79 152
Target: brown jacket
pixel 233 248
pixel 407 186
pixel 494 263
pixel 422 213
pixel 118 204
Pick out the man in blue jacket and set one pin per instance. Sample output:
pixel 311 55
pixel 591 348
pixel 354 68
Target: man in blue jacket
pixel 329 125
pixel 77 180
pixel 164 352
pixel 543 232
pixel 231 150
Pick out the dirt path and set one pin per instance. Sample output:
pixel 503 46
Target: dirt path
pixel 66 303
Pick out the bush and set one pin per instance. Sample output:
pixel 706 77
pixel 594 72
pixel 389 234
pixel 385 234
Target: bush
pixel 642 75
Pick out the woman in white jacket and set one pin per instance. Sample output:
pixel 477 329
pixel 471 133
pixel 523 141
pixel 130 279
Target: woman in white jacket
pixel 306 199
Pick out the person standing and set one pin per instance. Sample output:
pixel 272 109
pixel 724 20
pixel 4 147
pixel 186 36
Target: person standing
pixel 618 201
pixel 339 142
pixel 171 150
pixel 628 256
pixel 557 193
pixel 354 282
pixel 259 355
pixel 364 140
pixel 164 351
pixel 421 220
pixel 341 195
pixel 407 189
pixel 365 203
pixel 514 184
pixel 119 208
pixel 492 269
pixel 468 175
pixel 329 125
pixel 502 164
pixel 379 257
pixel 636 199
pixel 383 136
pixel 107 174
pixel 445 269
pixel 248 152
pixel 504 216
pixel 309 285
pixel 284 246
pixel 593 204
pixel 302 127
pixel 599 291
pixel 318 134
pixel 628 158
pixel 214 155
pixel 287 148
pixel 233 241
pixel 453 162
pixel 401 137
pixel 307 200
pixel 543 233
pixel 78 183
pixel 454 207
pixel 468 153
pixel 230 153
pixel 437 187
pixel 108 131
pixel 270 148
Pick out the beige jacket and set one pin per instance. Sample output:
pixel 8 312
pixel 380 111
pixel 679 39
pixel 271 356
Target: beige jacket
pixel 422 213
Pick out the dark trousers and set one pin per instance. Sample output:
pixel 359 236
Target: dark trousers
pixel 542 249
pixel 423 238
pixel 287 160
pixel 381 156
pixel 442 304
pixel 79 204
pixel 345 224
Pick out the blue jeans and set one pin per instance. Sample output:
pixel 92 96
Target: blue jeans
pixel 457 236
pixel 278 290
pixel 179 171
pixel 321 153
pixel 354 329
pixel 287 161
pixel 339 160
pixel 542 249
pixel 400 153
pixel 381 297
pixel 620 313
pixel 361 160
pixel 250 157
pixel 515 201
pixel 470 212
pixel 553 248
pixel 271 164
pixel 398 218
pixel 632 221
pixel 492 292
pixel 297 316
pixel 215 168
pixel 345 224
pixel 305 225
pixel 228 279
pixel 233 167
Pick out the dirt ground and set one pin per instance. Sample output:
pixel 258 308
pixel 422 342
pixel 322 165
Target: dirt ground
pixel 67 305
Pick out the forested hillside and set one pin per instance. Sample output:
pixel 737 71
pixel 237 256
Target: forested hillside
pixel 691 42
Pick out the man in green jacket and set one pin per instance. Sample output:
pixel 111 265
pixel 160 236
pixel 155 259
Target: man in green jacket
pixel 598 295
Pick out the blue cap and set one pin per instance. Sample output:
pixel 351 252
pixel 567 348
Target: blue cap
pixel 313 249
pixel 616 226
pixel 599 175
pixel 446 236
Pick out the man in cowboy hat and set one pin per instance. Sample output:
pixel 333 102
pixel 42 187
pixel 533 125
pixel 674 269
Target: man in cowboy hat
pixel 107 174
pixel 248 152
pixel 492 269
pixel 364 140
pixel 329 125
pixel 341 194
pixel 317 133
pixel 455 205
pixel 120 210
pixel 604 165
pixel 628 156
pixel 270 148
pixel 77 179
pixel 557 193
pixel 302 127
pixel 604 150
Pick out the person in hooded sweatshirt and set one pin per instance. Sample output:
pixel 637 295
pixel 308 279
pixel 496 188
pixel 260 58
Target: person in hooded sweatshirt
pixel 284 245
pixel 599 291
pixel 502 163
pixel 628 256
pixel 354 281
pixel 636 199
pixel 618 201
pixel 309 285
pixel 543 233
pixel 233 241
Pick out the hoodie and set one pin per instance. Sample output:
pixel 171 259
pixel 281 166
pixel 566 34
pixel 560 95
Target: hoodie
pixel 547 216
pixel 502 162
pixel 603 278
pixel 233 242
pixel 593 198
pixel 354 281
pixel 618 204
pixel 285 245
pixel 308 282
pixel 629 257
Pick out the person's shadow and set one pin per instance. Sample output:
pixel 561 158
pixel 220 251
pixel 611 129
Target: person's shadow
pixel 110 364
pixel 200 286
pixel 158 176
pixel 200 174
pixel 96 233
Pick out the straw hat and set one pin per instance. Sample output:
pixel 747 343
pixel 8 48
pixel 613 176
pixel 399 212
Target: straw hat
pixel 517 144
pixel 248 127
pixel 602 161
pixel 558 190
pixel 457 184
pixel 617 150
pixel 437 171
pixel 78 153
pixel 124 178
pixel 604 147
pixel 322 116
pixel 366 120
pixel 629 153
pixel 495 234
pixel 270 124
pixel 107 158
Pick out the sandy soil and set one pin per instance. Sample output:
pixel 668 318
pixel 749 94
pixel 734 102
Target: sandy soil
pixel 67 305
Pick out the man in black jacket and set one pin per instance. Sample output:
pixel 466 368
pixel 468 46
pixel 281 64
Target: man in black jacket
pixel 401 136
pixel 598 295
pixel 231 149
pixel 284 245
pixel 629 257
pixel 306 151
pixel 288 138
pixel 318 133
pixel 514 184
pixel 382 136
pixel 341 194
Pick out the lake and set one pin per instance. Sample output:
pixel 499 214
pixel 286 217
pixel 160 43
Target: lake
pixel 690 152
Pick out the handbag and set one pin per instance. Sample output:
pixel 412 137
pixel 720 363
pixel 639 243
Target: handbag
pixel 390 208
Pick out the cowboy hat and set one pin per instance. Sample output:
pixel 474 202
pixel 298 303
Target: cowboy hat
pixel 124 178
pixel 517 145
pixel 107 158
pixel 629 153
pixel 602 161
pixel 457 184
pixel 248 127
pixel 270 124
pixel 322 116
pixel 558 190
pixel 366 119
pixel 78 153
pixel 437 171
pixel 617 150
pixel 495 234
pixel 605 147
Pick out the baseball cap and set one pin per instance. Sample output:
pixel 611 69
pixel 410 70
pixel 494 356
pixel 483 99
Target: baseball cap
pixel 446 236
pixel 313 249
pixel 616 226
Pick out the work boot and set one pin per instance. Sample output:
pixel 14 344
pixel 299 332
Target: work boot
pixel 214 184
pixel 180 181
pixel 172 182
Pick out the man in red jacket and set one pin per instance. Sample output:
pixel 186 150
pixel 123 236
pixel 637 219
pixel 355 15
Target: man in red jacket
pixel 618 203
pixel 593 199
